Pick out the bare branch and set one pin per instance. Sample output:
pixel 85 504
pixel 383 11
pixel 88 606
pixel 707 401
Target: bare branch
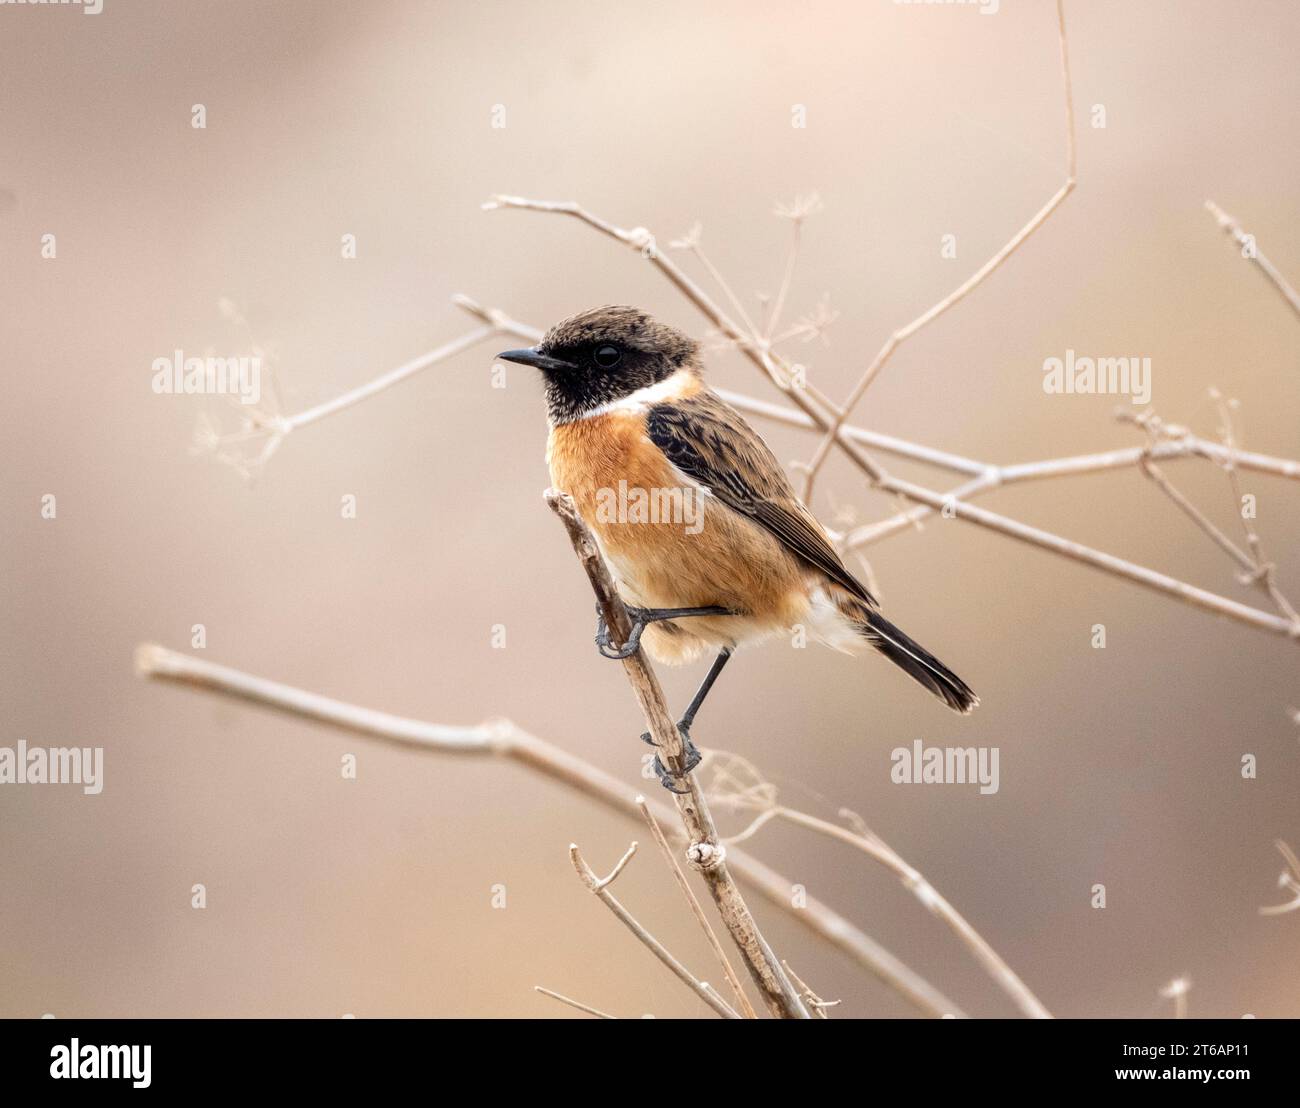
pixel 267 427
pixel 737 989
pixel 870 533
pixel 1108 563
pixel 813 1001
pixel 1195 514
pixel 695 247
pixel 966 287
pixel 1250 250
pixel 874 847
pixel 1289 880
pixel 1261 569
pixel 739 784
pixel 705 852
pixel 575 1004
pixel 797 213
pixel 1258 571
pixel 388 380
pixel 600 887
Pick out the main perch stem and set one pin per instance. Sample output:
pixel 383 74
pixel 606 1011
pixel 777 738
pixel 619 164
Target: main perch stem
pixel 704 852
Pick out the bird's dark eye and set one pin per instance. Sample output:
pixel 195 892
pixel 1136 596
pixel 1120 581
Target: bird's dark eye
pixel 607 357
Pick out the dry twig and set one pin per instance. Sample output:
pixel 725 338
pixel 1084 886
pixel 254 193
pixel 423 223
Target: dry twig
pixel 958 294
pixel 1250 250
pixel 599 886
pixel 1257 570
pixel 267 427
pixel 575 1003
pixel 817 1004
pixel 740 785
pixel 747 1009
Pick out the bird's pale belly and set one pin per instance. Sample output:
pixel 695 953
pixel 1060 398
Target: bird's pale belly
pixel 672 545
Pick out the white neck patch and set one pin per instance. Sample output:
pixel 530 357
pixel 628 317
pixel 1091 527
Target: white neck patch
pixel 670 388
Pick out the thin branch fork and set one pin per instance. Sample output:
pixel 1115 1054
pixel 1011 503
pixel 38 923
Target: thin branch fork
pixel 269 426
pixel 704 852
pixel 1262 572
pixel 874 847
pixel 737 784
pixel 661 841
pixel 816 1003
pixel 599 887
pixel 1257 571
pixel 966 287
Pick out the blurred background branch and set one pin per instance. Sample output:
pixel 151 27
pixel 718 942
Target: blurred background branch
pixel 502 739
pixel 1251 252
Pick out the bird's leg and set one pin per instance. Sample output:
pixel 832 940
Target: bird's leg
pixel 641 619
pixel 684 725
pixel 721 660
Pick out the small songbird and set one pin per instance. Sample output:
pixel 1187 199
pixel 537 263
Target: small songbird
pixel 707 541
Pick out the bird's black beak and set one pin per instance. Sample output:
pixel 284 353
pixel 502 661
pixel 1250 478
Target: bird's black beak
pixel 530 356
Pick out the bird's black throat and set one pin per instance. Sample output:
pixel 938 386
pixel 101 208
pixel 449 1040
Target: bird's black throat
pixel 574 393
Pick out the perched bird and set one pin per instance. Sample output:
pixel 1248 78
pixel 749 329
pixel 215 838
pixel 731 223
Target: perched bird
pixel 708 543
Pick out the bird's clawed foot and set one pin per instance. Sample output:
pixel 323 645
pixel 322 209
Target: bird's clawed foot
pixel 641 619
pixel 693 758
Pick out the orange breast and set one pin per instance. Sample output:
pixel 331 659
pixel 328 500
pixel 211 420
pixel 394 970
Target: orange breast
pixel 669 543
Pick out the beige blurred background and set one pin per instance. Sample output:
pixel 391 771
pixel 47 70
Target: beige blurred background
pixel 374 896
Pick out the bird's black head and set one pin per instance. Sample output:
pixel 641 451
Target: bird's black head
pixel 603 355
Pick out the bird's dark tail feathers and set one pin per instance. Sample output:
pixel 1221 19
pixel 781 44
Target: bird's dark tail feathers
pixel 917 662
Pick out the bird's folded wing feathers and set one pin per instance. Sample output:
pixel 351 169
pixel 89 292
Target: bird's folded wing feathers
pixel 710 442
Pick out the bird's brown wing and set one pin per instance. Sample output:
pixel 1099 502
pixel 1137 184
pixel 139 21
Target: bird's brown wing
pixel 710 442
